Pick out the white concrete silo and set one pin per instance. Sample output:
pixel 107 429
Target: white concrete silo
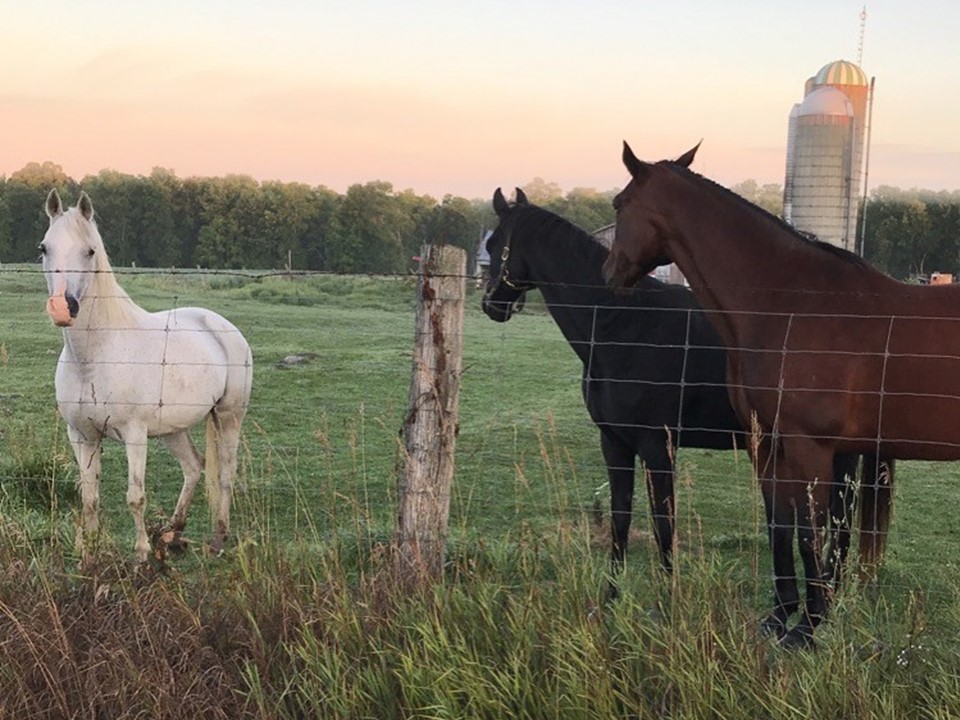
pixel 825 146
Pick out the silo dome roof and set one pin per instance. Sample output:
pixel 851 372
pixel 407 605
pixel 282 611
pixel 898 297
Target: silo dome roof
pixel 841 72
pixel 826 101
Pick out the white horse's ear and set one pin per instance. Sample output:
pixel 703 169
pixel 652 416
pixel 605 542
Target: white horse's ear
pixel 85 206
pixel 53 206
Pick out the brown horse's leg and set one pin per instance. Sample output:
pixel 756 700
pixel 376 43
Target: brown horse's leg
pixel 876 503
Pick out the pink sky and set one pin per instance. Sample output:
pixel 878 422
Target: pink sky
pixel 463 99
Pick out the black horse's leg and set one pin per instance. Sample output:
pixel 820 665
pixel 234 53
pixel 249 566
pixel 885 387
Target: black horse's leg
pixel 778 503
pixel 780 524
pixel 658 464
pixel 620 462
pixel 811 465
pixel 842 496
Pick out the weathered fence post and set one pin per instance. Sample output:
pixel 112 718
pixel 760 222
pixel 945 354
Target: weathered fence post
pixel 433 412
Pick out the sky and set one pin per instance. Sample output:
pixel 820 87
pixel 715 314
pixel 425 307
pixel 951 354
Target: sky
pixel 461 98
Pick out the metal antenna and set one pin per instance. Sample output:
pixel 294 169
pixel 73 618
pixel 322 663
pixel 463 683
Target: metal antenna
pixel 863 25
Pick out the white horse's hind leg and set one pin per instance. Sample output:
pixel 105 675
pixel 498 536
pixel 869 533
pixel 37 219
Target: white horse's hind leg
pixel 136 443
pixel 88 461
pixel 191 463
pixel 228 440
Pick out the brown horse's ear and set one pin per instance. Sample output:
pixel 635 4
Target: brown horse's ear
pixel 686 159
pixel 522 197
pixel 85 205
pixel 53 206
pixel 500 204
pixel 637 168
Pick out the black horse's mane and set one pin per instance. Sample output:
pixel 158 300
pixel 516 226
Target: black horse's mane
pixel 527 219
pixel 560 229
pixel 806 238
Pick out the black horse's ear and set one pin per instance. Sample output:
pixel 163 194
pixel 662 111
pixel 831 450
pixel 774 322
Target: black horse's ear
pixel 522 197
pixel 500 205
pixel 53 206
pixel 637 168
pixel 686 159
pixel 85 205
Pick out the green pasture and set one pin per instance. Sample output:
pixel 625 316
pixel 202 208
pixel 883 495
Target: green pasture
pixel 316 505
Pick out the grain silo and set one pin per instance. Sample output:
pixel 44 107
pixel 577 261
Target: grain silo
pixel 825 146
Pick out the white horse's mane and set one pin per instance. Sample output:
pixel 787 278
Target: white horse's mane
pixel 112 305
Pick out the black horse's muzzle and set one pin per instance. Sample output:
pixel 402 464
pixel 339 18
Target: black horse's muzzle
pixel 503 308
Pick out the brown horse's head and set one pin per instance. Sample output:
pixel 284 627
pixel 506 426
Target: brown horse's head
pixel 639 243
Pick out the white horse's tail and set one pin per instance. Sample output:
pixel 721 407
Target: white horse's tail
pixel 212 468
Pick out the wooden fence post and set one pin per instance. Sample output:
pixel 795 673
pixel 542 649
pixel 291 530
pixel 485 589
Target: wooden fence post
pixel 433 412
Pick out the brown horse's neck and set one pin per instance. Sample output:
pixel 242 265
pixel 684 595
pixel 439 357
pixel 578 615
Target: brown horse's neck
pixel 740 260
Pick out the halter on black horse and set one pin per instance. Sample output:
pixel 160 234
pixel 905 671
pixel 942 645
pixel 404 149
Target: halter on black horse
pixel 505 296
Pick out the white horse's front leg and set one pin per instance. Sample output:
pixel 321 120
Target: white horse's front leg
pixel 136 443
pixel 87 453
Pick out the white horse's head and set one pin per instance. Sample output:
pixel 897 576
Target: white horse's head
pixel 69 253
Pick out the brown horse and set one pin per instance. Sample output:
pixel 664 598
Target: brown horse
pixel 825 353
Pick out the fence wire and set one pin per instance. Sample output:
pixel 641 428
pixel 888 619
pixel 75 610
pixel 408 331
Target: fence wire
pixel 331 374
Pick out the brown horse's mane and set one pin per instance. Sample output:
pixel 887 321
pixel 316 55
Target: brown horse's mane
pixel 806 238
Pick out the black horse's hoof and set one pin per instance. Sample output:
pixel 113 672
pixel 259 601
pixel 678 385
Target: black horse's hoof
pixel 797 638
pixel 773 626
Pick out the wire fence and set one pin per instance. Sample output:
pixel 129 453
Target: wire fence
pixel 331 373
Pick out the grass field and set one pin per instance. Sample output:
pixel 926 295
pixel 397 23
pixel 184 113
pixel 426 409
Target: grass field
pixel 317 626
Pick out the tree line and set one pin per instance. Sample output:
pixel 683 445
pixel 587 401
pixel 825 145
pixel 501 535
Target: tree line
pixel 906 233
pixel 232 222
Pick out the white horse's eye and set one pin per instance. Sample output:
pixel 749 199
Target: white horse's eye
pixel 91 252
pixel 42 248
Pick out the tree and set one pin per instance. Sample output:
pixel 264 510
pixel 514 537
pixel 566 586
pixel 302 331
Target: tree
pixel 230 236
pixel 540 192
pixel 585 207
pixel 900 242
pixel 769 196
pixel 43 176
pixel 369 231
pixel 6 221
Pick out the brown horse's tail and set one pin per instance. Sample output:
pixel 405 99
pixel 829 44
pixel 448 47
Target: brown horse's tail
pixel 876 504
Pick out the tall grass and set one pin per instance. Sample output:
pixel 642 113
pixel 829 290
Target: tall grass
pixel 322 626
pixel 306 615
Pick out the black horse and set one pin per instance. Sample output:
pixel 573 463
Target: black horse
pixel 654 375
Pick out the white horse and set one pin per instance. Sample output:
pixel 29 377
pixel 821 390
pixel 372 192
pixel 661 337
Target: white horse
pixel 128 374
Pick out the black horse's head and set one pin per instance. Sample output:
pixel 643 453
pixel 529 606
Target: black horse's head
pixel 506 285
